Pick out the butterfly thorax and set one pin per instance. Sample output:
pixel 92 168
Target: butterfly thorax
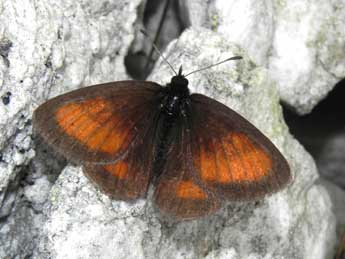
pixel 176 95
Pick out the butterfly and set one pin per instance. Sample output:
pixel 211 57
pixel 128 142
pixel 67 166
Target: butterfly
pixel 196 152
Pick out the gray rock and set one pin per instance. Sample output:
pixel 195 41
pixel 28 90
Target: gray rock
pixel 308 58
pixel 47 48
pixel 337 195
pixel 301 42
pixel 331 158
pixel 295 223
pixel 50 47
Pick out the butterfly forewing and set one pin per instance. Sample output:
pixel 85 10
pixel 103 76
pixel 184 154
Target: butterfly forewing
pixel 97 123
pixel 231 156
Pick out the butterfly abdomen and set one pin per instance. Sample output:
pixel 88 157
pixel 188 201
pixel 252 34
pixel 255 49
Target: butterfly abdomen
pixel 174 106
pixel 165 124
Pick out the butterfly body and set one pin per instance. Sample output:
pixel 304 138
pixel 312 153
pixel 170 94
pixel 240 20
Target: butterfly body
pixel 195 151
pixel 174 104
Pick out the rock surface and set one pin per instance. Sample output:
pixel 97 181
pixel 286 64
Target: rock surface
pixel 295 223
pixel 301 42
pixel 331 159
pixel 50 47
pixel 47 48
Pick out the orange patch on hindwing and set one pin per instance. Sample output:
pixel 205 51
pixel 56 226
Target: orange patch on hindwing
pixel 189 190
pixel 119 169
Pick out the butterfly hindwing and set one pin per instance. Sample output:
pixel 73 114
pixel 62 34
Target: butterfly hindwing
pixel 215 155
pixel 127 178
pixel 97 123
pixel 232 157
pixel 179 191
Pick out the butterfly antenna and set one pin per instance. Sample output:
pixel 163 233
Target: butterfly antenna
pixel 156 49
pixel 213 65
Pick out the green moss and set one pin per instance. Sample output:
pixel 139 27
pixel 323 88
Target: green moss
pixel 279 128
pixel 53 196
pixel 214 21
pixel 331 36
pixel 279 5
pixel 259 77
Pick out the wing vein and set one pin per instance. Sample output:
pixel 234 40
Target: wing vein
pixel 227 159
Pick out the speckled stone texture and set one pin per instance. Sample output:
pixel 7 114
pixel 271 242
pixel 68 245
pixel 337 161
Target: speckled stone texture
pixel 47 48
pixel 301 42
pixel 51 47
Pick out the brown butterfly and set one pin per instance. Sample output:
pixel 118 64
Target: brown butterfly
pixel 196 151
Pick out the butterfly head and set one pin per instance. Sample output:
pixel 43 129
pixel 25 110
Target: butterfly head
pixel 179 84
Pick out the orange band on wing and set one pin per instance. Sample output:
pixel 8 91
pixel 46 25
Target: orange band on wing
pixel 189 190
pixel 92 124
pixel 234 159
pixel 119 169
pixel 207 164
pixel 255 162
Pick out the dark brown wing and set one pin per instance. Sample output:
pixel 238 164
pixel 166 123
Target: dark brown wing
pixel 179 192
pixel 128 178
pixel 98 123
pixel 232 157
